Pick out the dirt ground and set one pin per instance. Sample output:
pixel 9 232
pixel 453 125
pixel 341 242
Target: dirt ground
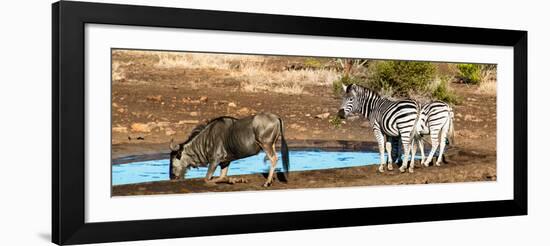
pixel 151 105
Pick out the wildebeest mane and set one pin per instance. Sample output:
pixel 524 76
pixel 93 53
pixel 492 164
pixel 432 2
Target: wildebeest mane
pixel 199 128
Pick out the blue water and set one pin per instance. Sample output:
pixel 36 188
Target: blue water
pixel 157 170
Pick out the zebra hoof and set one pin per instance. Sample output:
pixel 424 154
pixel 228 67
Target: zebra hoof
pixel 438 164
pixel 411 170
pixel 381 170
pixel 426 164
pixel 267 184
pixel 402 170
pixel 390 168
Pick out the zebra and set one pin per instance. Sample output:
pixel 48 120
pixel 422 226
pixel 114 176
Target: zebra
pixel 436 120
pixel 388 118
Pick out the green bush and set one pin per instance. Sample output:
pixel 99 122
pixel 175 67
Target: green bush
pixel 313 63
pixel 401 77
pixel 345 80
pixel 443 93
pixel 470 73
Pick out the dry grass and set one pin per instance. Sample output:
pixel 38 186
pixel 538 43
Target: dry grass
pixel 258 78
pixel 488 84
pixel 255 73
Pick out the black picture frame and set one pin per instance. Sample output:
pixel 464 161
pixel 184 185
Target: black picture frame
pixel 68 107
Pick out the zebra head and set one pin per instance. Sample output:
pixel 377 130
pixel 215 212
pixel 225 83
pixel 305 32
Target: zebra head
pixel 350 101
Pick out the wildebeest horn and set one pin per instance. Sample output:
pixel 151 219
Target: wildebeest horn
pixel 173 146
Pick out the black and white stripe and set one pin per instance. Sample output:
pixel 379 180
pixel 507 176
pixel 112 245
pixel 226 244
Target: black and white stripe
pixel 436 120
pixel 388 118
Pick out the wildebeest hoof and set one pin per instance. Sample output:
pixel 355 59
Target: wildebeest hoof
pixel 237 180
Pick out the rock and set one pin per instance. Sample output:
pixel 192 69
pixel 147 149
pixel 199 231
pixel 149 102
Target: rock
pixel 232 104
pixel 162 124
pixel 292 116
pixel 308 115
pixel 323 116
pixel 121 129
pixel 140 127
pixel 203 99
pixel 194 114
pixel 115 105
pixel 472 118
pixel 188 100
pixel 156 98
pixel 297 127
pixel 243 111
pixel 169 132
pixel 121 110
pixel 458 115
pixel 190 122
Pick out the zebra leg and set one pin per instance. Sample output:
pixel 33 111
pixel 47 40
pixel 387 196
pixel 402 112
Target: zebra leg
pixel 434 135
pixel 421 147
pixel 406 150
pixel 389 149
pixel 442 141
pixel 381 141
pixel 413 153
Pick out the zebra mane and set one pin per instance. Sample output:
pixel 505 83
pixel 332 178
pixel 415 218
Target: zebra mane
pixel 365 89
pixel 199 128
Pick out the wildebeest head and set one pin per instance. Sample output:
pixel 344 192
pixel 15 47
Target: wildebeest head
pixel 178 161
pixel 349 101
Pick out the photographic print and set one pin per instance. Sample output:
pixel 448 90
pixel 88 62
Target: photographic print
pixel 192 122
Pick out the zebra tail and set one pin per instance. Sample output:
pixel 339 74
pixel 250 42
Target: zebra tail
pixel 414 132
pixel 451 127
pixel 284 150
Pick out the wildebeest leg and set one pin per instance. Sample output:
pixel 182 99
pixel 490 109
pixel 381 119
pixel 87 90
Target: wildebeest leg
pixel 211 168
pixel 269 149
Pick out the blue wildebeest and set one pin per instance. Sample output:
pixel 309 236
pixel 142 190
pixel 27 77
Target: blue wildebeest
pixel 226 139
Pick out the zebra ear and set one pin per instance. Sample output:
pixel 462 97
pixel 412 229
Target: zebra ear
pixel 344 87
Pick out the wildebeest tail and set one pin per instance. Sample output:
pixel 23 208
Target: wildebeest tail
pixel 284 149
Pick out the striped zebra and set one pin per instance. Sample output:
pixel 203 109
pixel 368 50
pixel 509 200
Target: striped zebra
pixel 436 120
pixel 387 117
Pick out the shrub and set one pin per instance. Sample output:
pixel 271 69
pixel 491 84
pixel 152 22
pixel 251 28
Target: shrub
pixel 470 73
pixel 401 78
pixel 442 92
pixel 313 63
pixel 335 121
